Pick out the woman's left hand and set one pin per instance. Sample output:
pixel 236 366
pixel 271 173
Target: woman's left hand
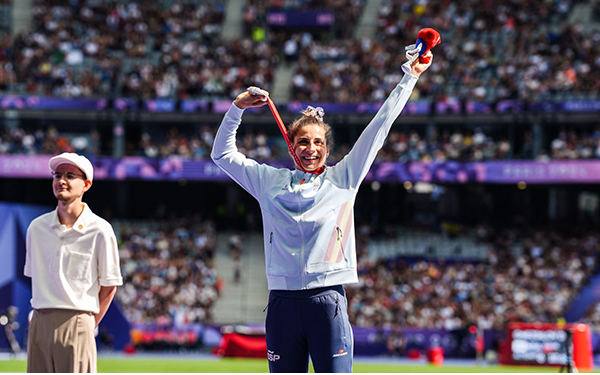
pixel 417 67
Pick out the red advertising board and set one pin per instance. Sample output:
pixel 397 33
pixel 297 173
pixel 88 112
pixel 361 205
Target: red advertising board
pixel 548 344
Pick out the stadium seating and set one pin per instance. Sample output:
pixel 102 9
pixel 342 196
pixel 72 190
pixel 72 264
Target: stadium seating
pixel 169 277
pixel 402 146
pixel 122 49
pixel 514 276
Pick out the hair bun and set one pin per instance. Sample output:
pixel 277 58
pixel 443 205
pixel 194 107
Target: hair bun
pixel 317 113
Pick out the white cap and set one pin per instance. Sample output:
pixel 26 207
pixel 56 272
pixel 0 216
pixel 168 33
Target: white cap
pixel 79 161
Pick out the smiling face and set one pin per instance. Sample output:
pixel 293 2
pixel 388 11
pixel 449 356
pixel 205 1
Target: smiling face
pixel 66 190
pixel 310 145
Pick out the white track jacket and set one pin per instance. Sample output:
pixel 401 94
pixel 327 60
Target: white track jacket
pixel 309 228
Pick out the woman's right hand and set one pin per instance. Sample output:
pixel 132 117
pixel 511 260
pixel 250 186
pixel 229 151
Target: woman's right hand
pixel 246 100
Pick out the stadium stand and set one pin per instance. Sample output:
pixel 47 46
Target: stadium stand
pixel 502 51
pixel 168 271
pixel 185 58
pixel 105 49
pixel 48 141
pixel 464 144
pixel 520 277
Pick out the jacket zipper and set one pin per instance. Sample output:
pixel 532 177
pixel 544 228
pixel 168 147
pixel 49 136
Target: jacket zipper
pixel 340 237
pixel 302 242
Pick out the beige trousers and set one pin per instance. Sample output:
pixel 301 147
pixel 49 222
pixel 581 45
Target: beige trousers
pixel 61 341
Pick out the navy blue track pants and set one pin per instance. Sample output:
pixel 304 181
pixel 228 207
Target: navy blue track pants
pixel 309 322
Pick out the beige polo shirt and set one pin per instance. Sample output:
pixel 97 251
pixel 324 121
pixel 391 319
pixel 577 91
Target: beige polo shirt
pixel 68 266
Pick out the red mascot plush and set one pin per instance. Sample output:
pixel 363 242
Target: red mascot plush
pixel 426 39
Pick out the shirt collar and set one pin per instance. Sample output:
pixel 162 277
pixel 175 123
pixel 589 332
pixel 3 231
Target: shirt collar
pixel 80 224
pixel 299 175
pixel 305 177
pixel 54 222
pixel 83 220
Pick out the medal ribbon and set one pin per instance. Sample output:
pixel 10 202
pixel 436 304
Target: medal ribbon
pixel 286 136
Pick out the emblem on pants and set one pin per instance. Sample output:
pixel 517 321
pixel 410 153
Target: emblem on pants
pixel 272 356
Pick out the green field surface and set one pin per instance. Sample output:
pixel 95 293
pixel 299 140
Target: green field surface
pixel 174 364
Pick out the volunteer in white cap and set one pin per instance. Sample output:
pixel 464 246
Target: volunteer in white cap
pixel 73 261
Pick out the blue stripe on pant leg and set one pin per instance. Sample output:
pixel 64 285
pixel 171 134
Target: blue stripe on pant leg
pixel 330 338
pixel 286 345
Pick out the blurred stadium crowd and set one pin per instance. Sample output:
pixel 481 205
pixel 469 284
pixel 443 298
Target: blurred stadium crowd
pixel 401 145
pixel 492 50
pixel 168 271
pixel 526 50
pixel 527 276
pixel 133 49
